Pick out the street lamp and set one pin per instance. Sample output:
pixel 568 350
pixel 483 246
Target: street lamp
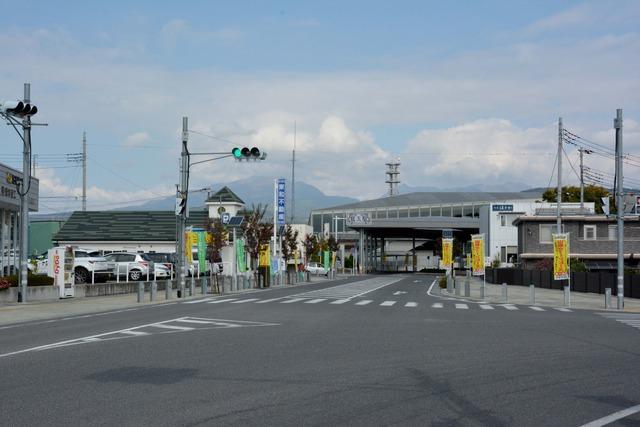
pixel 11 111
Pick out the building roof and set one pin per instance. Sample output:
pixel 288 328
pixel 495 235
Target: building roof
pixel 138 226
pixel 436 198
pixel 224 195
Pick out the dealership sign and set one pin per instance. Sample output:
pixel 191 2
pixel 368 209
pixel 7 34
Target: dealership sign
pixel 360 218
pixel 502 208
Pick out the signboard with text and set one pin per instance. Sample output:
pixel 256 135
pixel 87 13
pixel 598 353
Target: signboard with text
pixel 502 208
pixel 359 218
pixel 281 201
pixel 477 254
pixel 560 257
pixel 447 252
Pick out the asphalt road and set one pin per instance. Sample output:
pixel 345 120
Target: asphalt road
pixel 326 357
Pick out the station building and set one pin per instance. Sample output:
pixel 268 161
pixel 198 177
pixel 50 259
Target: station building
pixel 399 232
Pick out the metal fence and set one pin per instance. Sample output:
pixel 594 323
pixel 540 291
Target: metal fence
pixel 593 282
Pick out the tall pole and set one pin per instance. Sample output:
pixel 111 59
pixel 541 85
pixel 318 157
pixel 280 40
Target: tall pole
pixel 559 197
pixel 293 175
pixel 84 171
pixel 581 150
pixel 275 214
pixel 24 197
pixel 183 192
pixel 617 124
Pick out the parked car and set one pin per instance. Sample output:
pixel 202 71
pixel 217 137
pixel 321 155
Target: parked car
pixel 137 266
pixel 316 268
pixel 86 267
pixel 168 259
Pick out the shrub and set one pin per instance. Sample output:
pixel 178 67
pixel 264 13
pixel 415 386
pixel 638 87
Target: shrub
pixel 4 283
pixel 496 262
pixel 578 266
pixel 544 264
pixel 442 282
pixel 33 280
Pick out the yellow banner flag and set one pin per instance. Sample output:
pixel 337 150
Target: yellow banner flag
pixel 264 259
pixel 188 250
pixel 560 257
pixel 447 252
pixel 477 254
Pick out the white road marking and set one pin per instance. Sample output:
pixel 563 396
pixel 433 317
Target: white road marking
pixel 218 301
pixel 411 304
pixel 462 306
pixel 388 303
pixel 315 301
pixel 486 307
pixel 613 417
pixel 509 306
pixel 364 302
pixel 176 327
pixel 340 301
pixel 264 301
pixel 134 332
pixel 436 305
pixel 399 293
pixel 566 310
pixel 416 281
pixel 242 301
pixel 199 301
pixel 289 301
pixel 532 307
pixel 350 290
pixel 189 320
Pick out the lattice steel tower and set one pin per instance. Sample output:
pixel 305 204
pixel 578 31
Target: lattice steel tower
pixel 392 176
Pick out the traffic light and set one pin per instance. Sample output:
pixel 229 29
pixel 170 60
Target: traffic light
pixel 246 153
pixel 181 206
pixel 18 108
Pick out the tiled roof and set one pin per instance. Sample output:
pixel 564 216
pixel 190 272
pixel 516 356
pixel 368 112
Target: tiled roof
pixel 125 225
pixel 224 195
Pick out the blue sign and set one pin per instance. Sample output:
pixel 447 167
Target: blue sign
pixel 226 217
pixel 281 201
pixel 502 208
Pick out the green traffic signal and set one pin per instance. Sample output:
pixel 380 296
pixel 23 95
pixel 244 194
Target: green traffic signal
pixel 237 153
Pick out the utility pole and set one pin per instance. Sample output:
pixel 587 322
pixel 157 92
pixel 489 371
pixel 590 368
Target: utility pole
pixel 617 124
pixel 275 215
pixel 559 197
pixel 293 175
pixel 581 150
pixel 183 193
pixel 24 196
pixel 35 161
pixel 84 171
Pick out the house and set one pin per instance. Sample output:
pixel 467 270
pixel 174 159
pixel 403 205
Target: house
pixel 592 239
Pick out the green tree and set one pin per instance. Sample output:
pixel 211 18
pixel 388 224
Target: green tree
pixel 219 238
pixel 311 246
pixel 256 232
pixel 289 242
pixel 571 194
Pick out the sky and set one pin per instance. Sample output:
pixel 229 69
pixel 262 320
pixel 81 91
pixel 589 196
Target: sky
pixel 464 92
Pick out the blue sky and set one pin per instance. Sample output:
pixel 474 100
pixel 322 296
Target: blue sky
pixel 464 92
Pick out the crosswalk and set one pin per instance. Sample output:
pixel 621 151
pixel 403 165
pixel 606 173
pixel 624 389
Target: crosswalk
pixel 629 319
pixel 351 290
pixel 359 302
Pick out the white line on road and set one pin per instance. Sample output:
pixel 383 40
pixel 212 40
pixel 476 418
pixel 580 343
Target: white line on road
pixel 399 293
pixel 176 327
pixel 189 320
pixel 242 301
pixel 264 301
pixel 388 303
pixel 218 301
pixel 289 301
pixel 436 305
pixel 565 310
pixel 199 300
pixel 486 307
pixel 340 301
pixel 613 417
pixel 536 308
pixel 411 304
pixel 133 332
pixel 364 302
pixel 509 307
pixel 462 306
pixel 315 301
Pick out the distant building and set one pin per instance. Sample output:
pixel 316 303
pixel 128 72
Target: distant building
pixel 223 201
pixel 592 239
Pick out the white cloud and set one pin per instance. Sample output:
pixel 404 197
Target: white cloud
pixel 136 139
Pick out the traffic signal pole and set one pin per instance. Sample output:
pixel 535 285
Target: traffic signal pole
pixel 183 191
pixel 24 197
pixel 617 124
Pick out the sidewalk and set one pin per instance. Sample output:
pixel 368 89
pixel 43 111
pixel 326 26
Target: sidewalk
pixel 11 313
pixel 543 297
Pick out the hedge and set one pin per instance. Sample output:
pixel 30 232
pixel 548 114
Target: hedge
pixel 33 280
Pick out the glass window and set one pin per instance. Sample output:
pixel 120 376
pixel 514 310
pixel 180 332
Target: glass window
pixel 503 220
pixel 446 211
pixel 456 211
pixel 546 230
pixel 316 223
pixel 81 254
pixel 414 212
pixel 589 232
pixel 393 213
pixel 403 213
pixel 613 232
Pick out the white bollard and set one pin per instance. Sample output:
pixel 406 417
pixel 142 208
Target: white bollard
pixel 532 295
pixel 505 298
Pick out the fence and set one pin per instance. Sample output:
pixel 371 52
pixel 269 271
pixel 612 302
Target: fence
pixel 593 282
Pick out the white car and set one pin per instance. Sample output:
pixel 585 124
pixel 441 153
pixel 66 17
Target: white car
pixel 316 268
pixel 86 268
pixel 137 266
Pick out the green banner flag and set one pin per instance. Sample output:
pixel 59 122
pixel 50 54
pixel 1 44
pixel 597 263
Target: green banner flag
pixel 202 252
pixel 241 256
pixel 327 260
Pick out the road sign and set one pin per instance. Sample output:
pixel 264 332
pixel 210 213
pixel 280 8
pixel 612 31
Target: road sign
pixel 281 201
pixel 447 233
pixel 225 217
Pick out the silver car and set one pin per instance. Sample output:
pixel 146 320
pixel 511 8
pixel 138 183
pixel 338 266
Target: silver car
pixel 136 265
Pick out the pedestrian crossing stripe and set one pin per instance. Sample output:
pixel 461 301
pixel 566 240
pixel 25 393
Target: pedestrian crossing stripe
pixel 629 319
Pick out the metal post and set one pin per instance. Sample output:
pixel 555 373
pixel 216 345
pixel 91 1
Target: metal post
pixel 24 197
pixel 467 286
pixel 484 281
pixel 168 289
pixel 505 298
pixel 275 216
pixel 192 286
pixel 234 264
pixel 457 286
pixel 617 123
pixel 559 190
pixel 607 298
pixel 2 244
pixel 532 295
pixel 183 192
pixel 154 291
pixel 449 284
pixel 567 296
pixel 140 291
pixel 203 285
pixel 581 150
pixel 84 171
